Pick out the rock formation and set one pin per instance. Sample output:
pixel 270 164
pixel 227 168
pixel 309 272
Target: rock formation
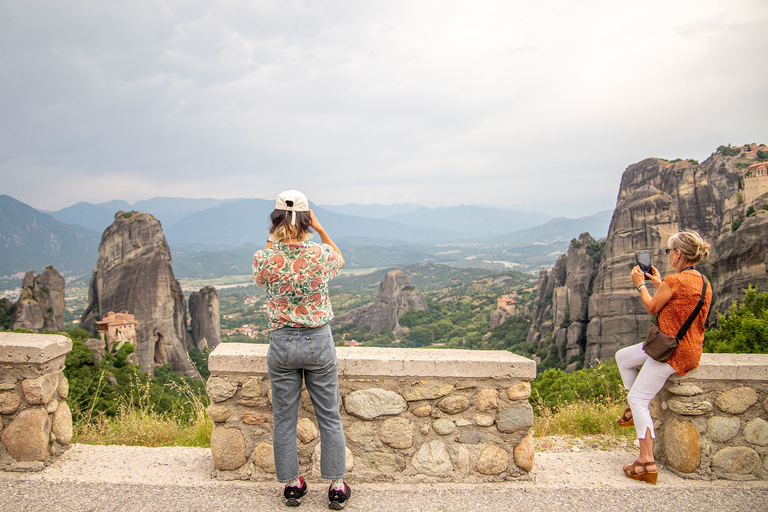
pixel 204 313
pixel 560 314
pixel 722 198
pixel 506 309
pixel 41 302
pixel 134 275
pixel 396 296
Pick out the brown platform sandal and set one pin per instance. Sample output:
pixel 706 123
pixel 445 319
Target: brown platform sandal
pixel 626 420
pixel 645 476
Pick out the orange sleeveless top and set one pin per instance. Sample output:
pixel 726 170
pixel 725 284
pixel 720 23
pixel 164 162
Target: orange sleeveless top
pixel 686 292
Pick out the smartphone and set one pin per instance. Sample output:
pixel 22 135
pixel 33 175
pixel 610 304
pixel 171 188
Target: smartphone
pixel 643 258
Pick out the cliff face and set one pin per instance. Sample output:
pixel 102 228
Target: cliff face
pixel 41 302
pixel 204 315
pixel 656 199
pixel 561 312
pixel 134 275
pixel 396 296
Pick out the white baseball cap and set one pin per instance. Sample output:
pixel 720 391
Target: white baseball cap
pixel 292 201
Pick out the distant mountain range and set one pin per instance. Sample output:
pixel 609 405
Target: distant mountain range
pixel 32 240
pixel 167 210
pixel 212 237
pixel 561 228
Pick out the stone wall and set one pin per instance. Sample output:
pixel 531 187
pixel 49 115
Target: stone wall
pixel 712 423
pixel 35 420
pixel 408 415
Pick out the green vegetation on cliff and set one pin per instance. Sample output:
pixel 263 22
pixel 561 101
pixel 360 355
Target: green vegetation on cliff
pixel 459 306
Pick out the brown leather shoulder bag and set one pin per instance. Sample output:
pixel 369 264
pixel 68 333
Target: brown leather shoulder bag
pixel 661 346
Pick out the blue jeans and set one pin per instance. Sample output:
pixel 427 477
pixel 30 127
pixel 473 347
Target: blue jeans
pixel 296 352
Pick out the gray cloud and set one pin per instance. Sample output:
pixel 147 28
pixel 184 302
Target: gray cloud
pixel 516 104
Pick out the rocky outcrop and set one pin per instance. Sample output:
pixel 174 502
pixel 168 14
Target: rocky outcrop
pixel 498 317
pixel 134 274
pixel 561 312
pixel 396 296
pixel 41 302
pixel 204 314
pixel 656 199
pixel 507 307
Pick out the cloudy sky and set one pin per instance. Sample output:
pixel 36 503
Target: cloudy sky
pixel 530 105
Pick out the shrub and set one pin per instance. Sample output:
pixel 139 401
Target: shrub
pixel 601 383
pixel 750 211
pixel 744 330
pixel 511 335
pixel 6 311
pixel 736 224
pixel 729 151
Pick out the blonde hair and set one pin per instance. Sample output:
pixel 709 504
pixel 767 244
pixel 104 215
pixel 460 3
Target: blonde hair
pixel 289 231
pixel 284 227
pixel 691 246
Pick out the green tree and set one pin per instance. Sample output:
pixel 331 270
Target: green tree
pixel 100 387
pixel 6 310
pixel 200 360
pixel 511 335
pixel 419 336
pixel 729 151
pixel 744 330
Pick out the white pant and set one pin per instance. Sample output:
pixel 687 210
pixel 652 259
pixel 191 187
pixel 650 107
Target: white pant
pixel 642 385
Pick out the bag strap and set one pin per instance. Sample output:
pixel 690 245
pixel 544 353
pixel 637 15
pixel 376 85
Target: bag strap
pixel 692 317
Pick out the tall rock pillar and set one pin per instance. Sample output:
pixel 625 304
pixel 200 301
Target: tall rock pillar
pixel 41 302
pixel 134 275
pixel 204 314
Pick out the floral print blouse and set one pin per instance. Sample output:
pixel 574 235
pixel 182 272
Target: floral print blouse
pixel 296 277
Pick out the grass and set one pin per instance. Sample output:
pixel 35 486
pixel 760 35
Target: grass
pixel 582 418
pixel 140 425
pixel 136 423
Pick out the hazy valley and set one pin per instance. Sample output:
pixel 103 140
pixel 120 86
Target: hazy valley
pixel 465 261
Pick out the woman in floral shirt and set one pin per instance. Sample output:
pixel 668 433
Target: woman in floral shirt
pixel 295 273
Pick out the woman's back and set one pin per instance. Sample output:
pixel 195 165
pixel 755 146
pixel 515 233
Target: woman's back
pixel 296 277
pixel 686 293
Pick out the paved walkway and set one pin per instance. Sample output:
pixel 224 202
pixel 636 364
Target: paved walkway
pixel 96 478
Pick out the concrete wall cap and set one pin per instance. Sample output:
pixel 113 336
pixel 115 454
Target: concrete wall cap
pixel 728 367
pixel 32 348
pixel 395 362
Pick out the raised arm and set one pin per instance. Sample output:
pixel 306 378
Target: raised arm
pixel 663 293
pixel 323 235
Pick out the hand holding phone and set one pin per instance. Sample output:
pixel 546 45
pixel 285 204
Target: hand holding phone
pixel 643 259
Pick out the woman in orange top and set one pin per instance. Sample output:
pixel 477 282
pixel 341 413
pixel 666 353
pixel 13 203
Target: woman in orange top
pixel 675 299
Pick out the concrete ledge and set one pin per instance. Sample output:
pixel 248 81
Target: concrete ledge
pixel 728 367
pixel 32 348
pixel 387 362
